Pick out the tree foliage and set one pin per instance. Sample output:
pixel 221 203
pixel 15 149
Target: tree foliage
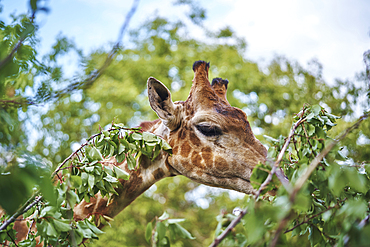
pixel 331 207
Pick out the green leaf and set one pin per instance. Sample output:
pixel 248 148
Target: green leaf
pixel 76 181
pixel 310 116
pixel 164 216
pixel 33 4
pixel 72 198
pixel 149 137
pixel 316 109
pixel 50 230
pixel 271 139
pixel 110 179
pixel 106 133
pixel 166 147
pixel 173 221
pixel 161 230
pixel 121 157
pixel 61 226
pixel 148 232
pixel 136 136
pixel 91 181
pixel 183 232
pixel 48 210
pixel 94 228
pixel 131 162
pixel 156 152
pixel 78 236
pixel 84 178
pixel 121 148
pixel 121 173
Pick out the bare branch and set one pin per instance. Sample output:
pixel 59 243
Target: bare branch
pixel 76 84
pixel 96 74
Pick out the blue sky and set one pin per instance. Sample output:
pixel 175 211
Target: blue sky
pixel 336 32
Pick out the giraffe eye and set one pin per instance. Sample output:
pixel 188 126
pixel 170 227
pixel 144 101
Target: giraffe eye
pixel 209 130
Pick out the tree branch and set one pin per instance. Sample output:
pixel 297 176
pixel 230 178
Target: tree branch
pixel 314 216
pixel 84 144
pixel 275 169
pixel 232 224
pixel 97 73
pixel 301 181
pixel 27 206
pixel 76 84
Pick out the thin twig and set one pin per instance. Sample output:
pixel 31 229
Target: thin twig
pixel 77 84
pixel 308 139
pixel 83 145
pixel 314 216
pixel 233 223
pixel 277 162
pixel 11 239
pixel 301 181
pixel 29 230
pixel 27 206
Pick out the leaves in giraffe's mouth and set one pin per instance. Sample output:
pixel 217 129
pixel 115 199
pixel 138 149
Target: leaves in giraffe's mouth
pixel 209 130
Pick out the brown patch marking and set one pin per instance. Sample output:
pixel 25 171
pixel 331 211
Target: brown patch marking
pixel 194 139
pixel 221 164
pixel 196 160
pixel 145 162
pixel 132 185
pixel 158 174
pixel 207 155
pixel 185 149
pixel 175 149
pixel 21 228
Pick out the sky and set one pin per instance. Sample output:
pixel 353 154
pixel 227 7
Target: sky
pixel 335 32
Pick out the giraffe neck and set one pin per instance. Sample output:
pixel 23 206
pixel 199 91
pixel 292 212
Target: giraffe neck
pixel 148 173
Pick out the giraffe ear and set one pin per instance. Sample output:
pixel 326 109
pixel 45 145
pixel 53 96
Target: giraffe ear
pixel 161 103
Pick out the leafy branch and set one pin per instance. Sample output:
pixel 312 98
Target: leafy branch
pixel 84 175
pixel 315 215
pixel 302 180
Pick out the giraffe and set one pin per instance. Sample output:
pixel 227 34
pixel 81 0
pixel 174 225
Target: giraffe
pixel 212 143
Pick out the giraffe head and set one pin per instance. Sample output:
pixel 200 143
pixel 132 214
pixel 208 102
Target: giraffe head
pixel 212 141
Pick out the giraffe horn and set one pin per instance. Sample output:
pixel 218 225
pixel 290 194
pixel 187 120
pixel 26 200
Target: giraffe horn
pixel 220 87
pixel 201 69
